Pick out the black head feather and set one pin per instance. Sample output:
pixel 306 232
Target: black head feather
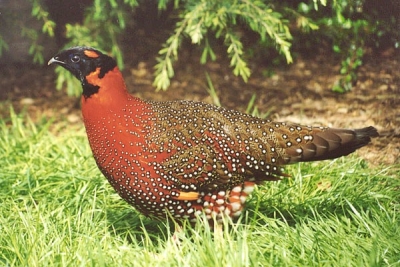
pixel 81 61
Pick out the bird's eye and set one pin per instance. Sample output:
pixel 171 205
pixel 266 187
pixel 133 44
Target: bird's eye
pixel 75 58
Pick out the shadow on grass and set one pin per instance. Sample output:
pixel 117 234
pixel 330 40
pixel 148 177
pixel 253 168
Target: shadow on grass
pixel 137 228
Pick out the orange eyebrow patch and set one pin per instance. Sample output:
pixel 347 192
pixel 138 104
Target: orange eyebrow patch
pixel 91 53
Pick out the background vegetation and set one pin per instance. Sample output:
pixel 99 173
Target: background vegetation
pixel 248 30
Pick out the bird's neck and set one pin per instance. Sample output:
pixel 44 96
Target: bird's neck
pixel 103 90
pixel 104 95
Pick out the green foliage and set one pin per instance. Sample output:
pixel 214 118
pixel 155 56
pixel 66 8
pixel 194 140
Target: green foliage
pixel 38 12
pixel 351 52
pixel 3 45
pixel 208 23
pixel 349 43
pixel 349 30
pixel 212 92
pixel 253 110
pixel 67 80
pixel 198 20
pixel 348 69
pixel 48 26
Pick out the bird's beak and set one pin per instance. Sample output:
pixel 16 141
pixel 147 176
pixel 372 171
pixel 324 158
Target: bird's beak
pixel 55 60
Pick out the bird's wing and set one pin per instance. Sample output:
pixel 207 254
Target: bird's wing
pixel 205 147
pixel 208 147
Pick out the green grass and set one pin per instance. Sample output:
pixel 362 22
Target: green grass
pixel 57 210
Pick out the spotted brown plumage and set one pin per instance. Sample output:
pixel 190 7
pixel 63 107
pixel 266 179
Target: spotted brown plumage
pixel 186 158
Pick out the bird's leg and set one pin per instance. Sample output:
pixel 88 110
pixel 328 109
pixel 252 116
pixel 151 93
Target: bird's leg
pixel 178 232
pixel 218 230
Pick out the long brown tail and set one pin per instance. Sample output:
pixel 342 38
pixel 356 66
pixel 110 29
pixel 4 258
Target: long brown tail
pixel 333 143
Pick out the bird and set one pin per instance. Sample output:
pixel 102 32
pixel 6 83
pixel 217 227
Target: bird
pixel 184 159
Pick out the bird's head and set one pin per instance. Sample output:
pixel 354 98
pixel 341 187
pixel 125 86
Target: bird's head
pixel 82 61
